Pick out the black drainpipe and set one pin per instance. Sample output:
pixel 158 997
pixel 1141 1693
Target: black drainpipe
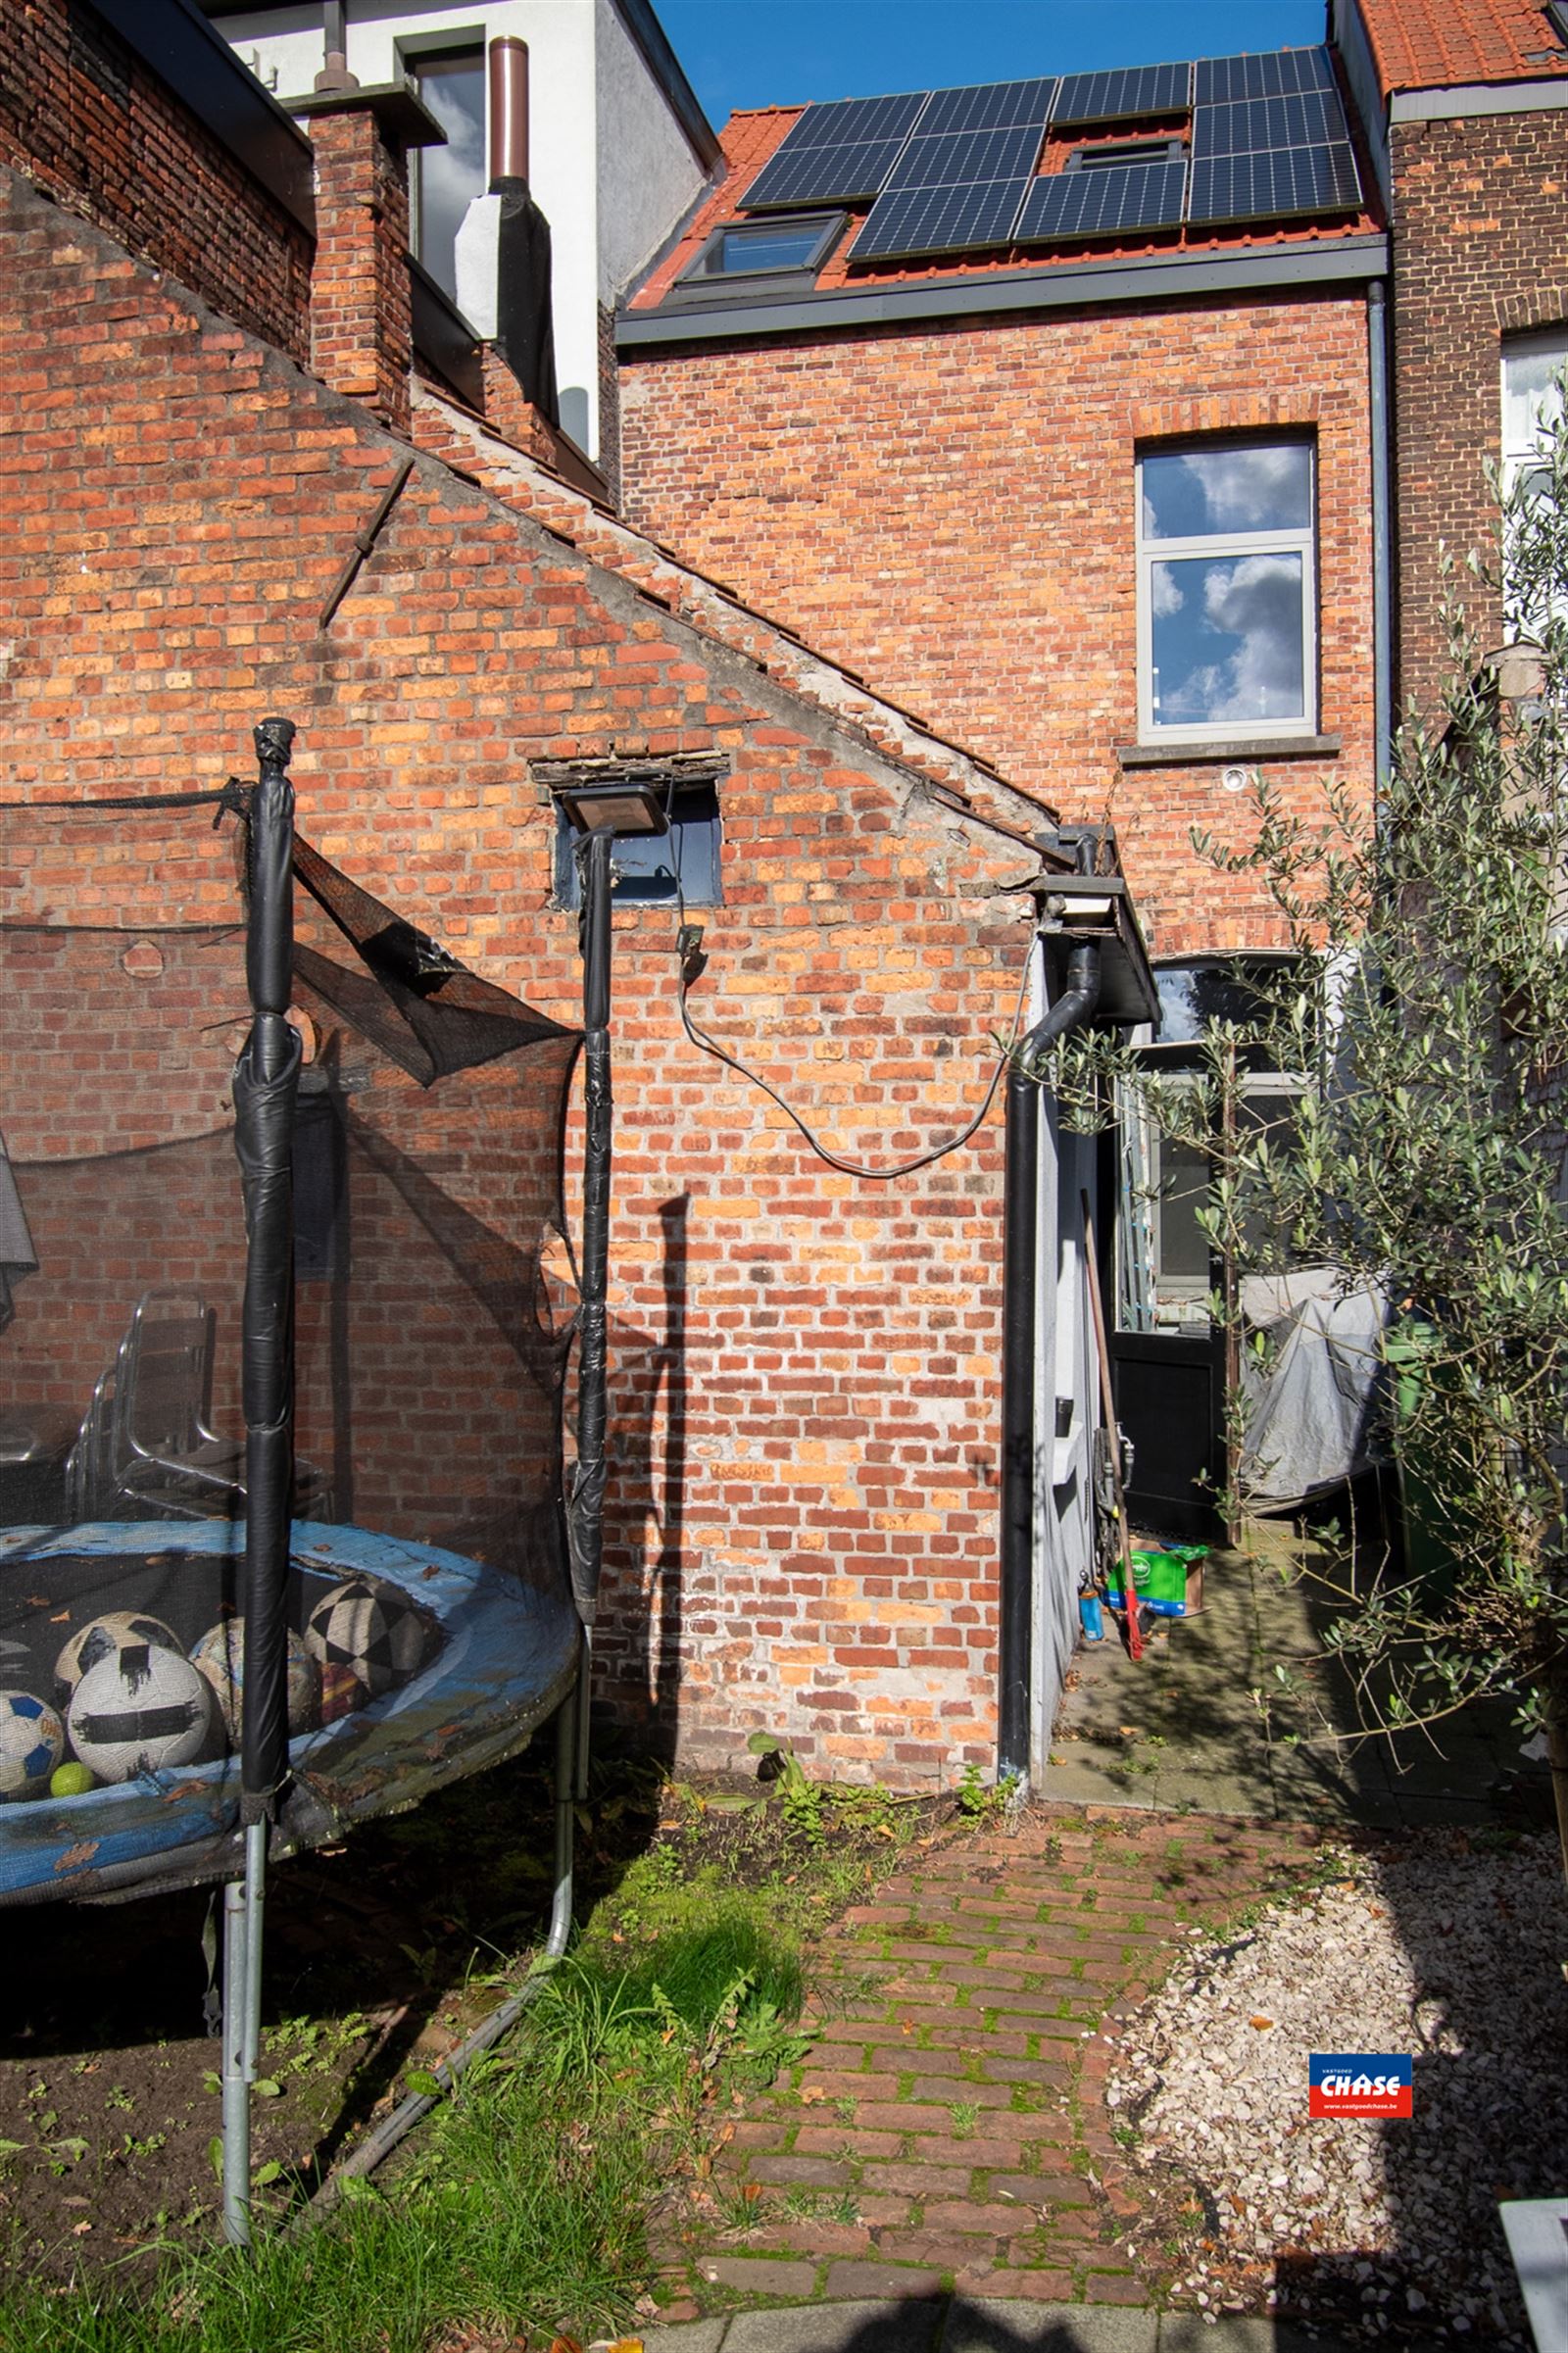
pixel 1020 1221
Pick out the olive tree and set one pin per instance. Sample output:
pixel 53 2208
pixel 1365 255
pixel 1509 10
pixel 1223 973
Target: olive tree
pixel 1426 1012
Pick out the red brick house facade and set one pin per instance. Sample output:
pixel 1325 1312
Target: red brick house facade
pixel 931 471
pixel 953 516
pixel 1465 103
pixel 805 1369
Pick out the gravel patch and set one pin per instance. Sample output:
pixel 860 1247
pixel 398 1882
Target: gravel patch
pixel 1454 1955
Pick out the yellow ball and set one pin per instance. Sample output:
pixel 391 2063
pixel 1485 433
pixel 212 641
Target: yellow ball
pixel 72 1781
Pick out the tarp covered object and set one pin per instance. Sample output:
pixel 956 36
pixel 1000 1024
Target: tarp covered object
pixel 1311 1419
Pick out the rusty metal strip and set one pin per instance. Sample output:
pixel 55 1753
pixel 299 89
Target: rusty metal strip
pixel 364 542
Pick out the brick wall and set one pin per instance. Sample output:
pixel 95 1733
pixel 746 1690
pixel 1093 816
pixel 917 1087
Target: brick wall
pixel 121 1040
pixel 805 1390
pixel 87 121
pixel 361 313
pixel 608 403
pixel 1480 252
pixel 951 512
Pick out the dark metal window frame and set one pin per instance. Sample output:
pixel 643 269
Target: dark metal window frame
pixel 415 52
pixel 696 839
pixel 698 280
pixel 1111 152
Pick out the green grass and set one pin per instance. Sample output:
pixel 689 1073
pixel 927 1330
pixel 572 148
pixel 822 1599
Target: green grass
pixel 523 2203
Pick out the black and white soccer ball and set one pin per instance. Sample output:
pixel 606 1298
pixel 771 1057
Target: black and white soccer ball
pixel 142 1709
pixel 370 1629
pixel 221 1656
pixel 101 1637
pixel 32 1742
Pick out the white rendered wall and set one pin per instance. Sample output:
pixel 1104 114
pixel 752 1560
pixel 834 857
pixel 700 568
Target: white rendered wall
pixel 613 173
pixel 648 179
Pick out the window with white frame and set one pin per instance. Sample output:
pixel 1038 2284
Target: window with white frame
pixel 1227 591
pixel 1532 369
pixel 1532 399
pixel 1166 1267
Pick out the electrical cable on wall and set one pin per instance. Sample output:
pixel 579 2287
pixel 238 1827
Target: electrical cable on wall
pixel 689 951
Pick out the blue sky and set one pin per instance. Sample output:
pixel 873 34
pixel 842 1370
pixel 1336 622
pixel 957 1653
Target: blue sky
pixel 780 52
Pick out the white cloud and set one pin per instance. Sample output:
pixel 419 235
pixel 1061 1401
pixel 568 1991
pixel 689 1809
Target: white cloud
pixel 1255 489
pixel 1256 601
pixel 1167 597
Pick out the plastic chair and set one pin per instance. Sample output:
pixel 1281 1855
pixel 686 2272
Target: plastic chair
pixel 166 1459
pixel 91 1463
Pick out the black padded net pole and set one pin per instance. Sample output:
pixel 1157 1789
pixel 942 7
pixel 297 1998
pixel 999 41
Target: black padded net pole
pixel 587 1508
pixel 265 1095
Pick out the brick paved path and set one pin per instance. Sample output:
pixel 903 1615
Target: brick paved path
pixel 948 2129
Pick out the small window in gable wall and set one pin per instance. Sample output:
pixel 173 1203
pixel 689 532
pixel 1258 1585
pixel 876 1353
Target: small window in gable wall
pixel 682 865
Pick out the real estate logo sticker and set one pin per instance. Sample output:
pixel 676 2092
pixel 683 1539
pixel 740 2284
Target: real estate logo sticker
pixel 1359 2083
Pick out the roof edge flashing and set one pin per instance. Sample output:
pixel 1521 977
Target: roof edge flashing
pixel 1145 279
pixel 1437 103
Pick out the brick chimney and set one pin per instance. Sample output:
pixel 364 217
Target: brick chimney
pixel 361 308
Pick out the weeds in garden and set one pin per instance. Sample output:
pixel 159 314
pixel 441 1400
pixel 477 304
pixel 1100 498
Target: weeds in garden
pixel 526 2200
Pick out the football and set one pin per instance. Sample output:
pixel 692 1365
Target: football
pixel 221 1656
pixel 342 1692
pixel 139 1710
pixel 100 1637
pixel 32 1742
pixel 370 1629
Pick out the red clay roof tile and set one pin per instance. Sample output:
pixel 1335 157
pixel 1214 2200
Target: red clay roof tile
pixel 1437 44
pixel 749 139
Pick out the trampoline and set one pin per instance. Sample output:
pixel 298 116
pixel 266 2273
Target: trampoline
pixel 286 1317
pixel 495 1656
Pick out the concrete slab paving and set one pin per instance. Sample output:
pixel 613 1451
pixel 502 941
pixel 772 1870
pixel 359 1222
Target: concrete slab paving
pixel 687 2337
pixel 942 2324
pixel 1181 1731
pixel 857 2325
pixel 995 2326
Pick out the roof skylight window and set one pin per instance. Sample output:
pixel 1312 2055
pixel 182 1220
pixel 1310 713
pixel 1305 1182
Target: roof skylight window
pixel 753 248
pixel 1124 151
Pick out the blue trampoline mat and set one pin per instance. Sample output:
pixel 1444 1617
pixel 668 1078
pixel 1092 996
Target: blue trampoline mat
pixel 507 1657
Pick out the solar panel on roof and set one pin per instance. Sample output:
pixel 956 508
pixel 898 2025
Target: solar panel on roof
pixel 989 106
pixel 1269 74
pixel 1252 125
pixel 914 222
pixel 844 122
pixel 839 153
pixel 848 174
pixel 966 156
pixel 1272 185
pixel 1121 93
pixel 1111 200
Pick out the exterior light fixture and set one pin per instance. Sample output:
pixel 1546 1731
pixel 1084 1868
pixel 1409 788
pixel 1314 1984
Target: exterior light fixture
pixel 599 813
pixel 611 808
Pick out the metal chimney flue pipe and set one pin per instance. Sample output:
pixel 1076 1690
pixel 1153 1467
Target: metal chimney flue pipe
pixel 509 109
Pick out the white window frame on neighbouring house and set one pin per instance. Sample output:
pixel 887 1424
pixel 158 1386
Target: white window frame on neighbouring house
pixel 1299 541
pixel 1520 444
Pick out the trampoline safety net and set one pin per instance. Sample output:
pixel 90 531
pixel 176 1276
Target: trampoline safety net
pixel 431 1625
